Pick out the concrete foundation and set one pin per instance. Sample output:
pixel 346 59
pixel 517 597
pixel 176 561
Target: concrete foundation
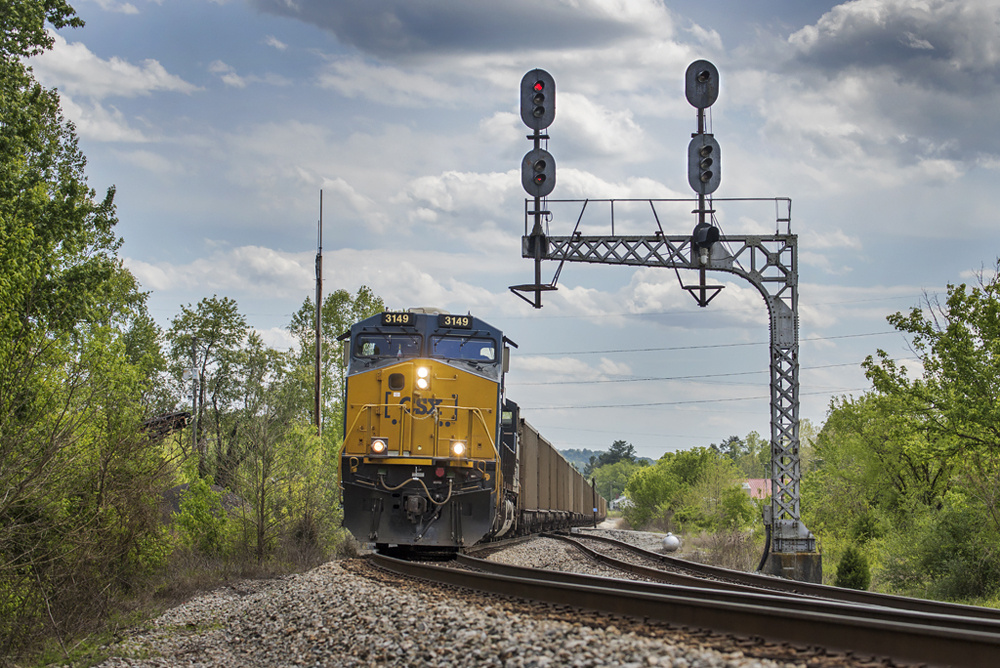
pixel 801 566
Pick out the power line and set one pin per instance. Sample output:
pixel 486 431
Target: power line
pixel 702 347
pixel 692 311
pixel 681 403
pixel 697 377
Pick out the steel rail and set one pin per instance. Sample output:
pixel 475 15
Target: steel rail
pixel 727 591
pixel 844 630
pixel 806 588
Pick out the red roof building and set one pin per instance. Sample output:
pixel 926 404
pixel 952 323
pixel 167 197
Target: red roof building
pixel 758 488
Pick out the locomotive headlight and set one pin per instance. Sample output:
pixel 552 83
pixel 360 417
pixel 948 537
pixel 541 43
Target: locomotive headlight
pixel 457 448
pixel 423 377
pixel 379 446
pixel 422 383
pixel 423 372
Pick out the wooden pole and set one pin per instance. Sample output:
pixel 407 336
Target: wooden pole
pixel 319 323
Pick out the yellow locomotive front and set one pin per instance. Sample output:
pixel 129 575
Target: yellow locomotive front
pixel 421 463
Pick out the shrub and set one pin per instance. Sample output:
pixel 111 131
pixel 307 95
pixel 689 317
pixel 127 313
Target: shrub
pixel 203 523
pixel 853 571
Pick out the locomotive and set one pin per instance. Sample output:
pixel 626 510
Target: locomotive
pixel 435 456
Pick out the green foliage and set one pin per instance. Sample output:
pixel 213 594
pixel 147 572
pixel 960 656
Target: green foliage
pixel 619 451
pixel 340 311
pixel 951 553
pixel 610 480
pixel 203 523
pixel 210 338
pixel 79 522
pixel 853 571
pixel 911 471
pixel 22 25
pixel 697 489
pixel 872 460
pixel 579 457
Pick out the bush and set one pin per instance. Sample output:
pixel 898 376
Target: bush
pixel 853 571
pixel 202 523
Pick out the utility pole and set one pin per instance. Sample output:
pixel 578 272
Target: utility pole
pixel 195 377
pixel 319 322
pixel 593 494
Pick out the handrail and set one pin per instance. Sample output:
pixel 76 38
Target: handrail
pixel 474 410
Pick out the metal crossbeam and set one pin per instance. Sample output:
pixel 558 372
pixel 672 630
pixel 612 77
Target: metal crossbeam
pixel 770 264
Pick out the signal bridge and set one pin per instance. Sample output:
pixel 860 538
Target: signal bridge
pixel 768 262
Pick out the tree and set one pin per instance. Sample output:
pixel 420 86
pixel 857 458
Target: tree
pixel 619 451
pixel 340 311
pixel 752 455
pixel 209 338
pixel 78 520
pixel 853 571
pixel 611 479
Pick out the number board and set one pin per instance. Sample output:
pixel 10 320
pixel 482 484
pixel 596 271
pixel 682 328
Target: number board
pixel 455 321
pixel 398 319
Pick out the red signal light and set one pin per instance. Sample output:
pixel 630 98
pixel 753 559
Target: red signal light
pixel 539 86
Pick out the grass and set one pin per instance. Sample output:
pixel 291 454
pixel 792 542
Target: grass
pixel 186 575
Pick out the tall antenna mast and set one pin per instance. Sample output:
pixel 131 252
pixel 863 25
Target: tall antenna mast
pixel 319 321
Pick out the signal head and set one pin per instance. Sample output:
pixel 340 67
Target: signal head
pixel 704 164
pixel 538 99
pixel 701 84
pixel 538 173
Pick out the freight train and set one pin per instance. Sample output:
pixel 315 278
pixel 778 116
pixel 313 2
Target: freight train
pixel 435 456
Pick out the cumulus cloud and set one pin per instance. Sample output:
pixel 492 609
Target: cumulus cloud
pixel 229 76
pixel 590 128
pixel 355 77
pixel 74 69
pixel 118 7
pixel 95 121
pixel 398 28
pixel 556 369
pixel 150 161
pixel 271 40
pixel 895 91
pixel 401 277
pixel 452 191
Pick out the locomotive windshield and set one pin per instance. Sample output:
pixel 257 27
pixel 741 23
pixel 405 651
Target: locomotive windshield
pixel 386 345
pixel 464 348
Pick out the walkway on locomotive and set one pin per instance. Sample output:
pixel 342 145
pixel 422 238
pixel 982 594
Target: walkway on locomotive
pixel 422 389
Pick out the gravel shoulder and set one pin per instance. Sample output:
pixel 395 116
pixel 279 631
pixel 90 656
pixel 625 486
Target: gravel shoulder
pixel 335 615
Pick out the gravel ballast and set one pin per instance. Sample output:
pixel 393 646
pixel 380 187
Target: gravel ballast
pixel 338 615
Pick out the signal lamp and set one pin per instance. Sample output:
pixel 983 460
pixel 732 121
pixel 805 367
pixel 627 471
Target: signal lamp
pixel 457 448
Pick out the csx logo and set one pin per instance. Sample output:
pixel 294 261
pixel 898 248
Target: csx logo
pixel 422 406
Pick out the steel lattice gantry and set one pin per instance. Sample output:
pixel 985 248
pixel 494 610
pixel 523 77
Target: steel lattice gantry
pixel 770 264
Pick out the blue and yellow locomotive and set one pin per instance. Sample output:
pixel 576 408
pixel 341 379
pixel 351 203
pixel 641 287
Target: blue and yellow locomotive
pixel 432 448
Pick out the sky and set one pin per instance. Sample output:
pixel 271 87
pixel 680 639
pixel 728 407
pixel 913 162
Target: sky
pixel 219 123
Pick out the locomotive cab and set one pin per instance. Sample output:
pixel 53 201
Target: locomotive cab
pixel 422 465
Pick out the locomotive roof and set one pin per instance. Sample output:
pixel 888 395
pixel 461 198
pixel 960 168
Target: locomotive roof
pixel 426 324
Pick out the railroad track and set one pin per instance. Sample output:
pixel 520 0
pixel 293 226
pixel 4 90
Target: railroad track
pixel 902 635
pixel 680 571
